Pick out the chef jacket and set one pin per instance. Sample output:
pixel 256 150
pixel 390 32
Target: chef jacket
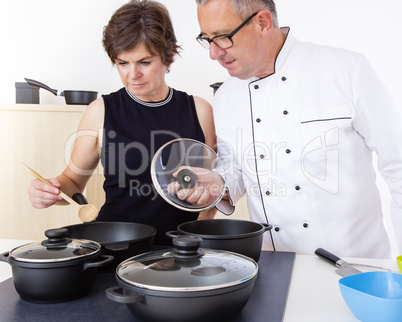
pixel 299 143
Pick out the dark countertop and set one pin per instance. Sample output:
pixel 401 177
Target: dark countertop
pixel 267 302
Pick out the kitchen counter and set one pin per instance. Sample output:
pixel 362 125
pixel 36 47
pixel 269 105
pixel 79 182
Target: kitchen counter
pixel 313 295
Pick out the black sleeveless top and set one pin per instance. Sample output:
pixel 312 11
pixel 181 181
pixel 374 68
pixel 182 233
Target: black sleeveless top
pixel 133 131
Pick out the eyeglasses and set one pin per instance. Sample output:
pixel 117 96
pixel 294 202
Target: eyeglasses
pixel 223 41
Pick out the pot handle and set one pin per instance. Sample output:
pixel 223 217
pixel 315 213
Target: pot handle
pixel 107 259
pixel 115 293
pixel 4 257
pixel 172 233
pixel 117 248
pixel 35 83
pixel 267 226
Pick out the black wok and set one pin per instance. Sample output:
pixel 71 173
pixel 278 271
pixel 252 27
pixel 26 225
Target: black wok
pixel 119 239
pixel 72 97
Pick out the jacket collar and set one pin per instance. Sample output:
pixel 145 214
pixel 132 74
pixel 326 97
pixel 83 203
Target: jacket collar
pixel 284 52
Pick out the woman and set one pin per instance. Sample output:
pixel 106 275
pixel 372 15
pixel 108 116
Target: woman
pixel 135 121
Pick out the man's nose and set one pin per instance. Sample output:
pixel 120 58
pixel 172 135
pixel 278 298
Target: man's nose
pixel 215 52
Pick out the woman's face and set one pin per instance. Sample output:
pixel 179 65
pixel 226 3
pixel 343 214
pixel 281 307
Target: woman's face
pixel 143 74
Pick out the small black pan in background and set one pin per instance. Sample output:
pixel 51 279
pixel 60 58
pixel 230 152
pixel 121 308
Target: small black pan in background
pixel 71 97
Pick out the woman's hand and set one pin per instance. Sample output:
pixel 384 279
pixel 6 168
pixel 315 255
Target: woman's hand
pixel 43 195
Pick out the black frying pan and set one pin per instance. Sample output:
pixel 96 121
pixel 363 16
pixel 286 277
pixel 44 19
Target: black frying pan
pixel 72 97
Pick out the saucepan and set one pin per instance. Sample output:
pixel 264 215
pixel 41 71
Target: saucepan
pixel 239 236
pixel 186 283
pixel 119 239
pixel 189 162
pixel 57 269
pixel 71 97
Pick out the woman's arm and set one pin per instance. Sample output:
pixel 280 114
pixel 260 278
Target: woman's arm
pixel 84 160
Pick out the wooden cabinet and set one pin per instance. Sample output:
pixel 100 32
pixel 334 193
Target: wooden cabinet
pixel 41 136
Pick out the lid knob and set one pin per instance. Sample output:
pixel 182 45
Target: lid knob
pixel 56 237
pixel 187 179
pixel 187 247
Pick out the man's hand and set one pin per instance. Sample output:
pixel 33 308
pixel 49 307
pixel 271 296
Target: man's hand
pixel 208 188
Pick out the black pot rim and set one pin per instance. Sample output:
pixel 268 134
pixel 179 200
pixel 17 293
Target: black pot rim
pixel 171 254
pixel 125 241
pixel 257 232
pixel 56 264
pixel 181 293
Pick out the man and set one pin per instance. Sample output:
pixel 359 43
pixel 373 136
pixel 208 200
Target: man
pixel 296 126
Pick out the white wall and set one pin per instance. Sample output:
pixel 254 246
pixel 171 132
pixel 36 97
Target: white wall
pixel 59 43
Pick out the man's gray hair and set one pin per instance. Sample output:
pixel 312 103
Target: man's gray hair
pixel 244 8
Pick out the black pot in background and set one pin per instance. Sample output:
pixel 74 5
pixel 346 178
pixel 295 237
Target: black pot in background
pixel 238 236
pixel 71 97
pixel 119 239
pixel 56 270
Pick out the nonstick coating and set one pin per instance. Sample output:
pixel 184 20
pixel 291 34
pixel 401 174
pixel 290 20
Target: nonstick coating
pixel 119 239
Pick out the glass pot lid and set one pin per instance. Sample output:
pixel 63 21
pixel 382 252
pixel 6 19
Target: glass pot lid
pixel 187 268
pixel 57 248
pixel 187 164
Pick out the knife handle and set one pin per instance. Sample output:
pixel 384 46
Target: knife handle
pixel 329 257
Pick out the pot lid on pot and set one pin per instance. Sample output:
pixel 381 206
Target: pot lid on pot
pixel 193 162
pixel 57 248
pixel 186 268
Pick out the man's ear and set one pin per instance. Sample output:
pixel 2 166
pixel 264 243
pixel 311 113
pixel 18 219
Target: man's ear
pixel 265 24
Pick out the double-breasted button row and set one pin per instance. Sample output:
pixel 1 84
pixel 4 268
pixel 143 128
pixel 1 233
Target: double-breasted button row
pixel 285 112
pixel 268 193
pixel 305 225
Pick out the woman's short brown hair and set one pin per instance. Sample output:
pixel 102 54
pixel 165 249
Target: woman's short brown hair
pixel 141 21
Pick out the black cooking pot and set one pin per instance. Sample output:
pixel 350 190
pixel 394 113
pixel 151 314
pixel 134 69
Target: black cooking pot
pixel 239 236
pixel 185 284
pixel 72 97
pixel 119 239
pixel 58 269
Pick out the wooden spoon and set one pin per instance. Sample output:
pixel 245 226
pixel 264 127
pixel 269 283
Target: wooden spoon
pixel 85 212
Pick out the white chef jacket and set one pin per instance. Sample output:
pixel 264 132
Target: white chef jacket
pixel 299 143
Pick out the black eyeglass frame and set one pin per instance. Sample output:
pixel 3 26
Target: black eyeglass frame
pixel 200 39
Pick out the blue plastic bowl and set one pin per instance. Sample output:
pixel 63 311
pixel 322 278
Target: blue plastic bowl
pixel 373 296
